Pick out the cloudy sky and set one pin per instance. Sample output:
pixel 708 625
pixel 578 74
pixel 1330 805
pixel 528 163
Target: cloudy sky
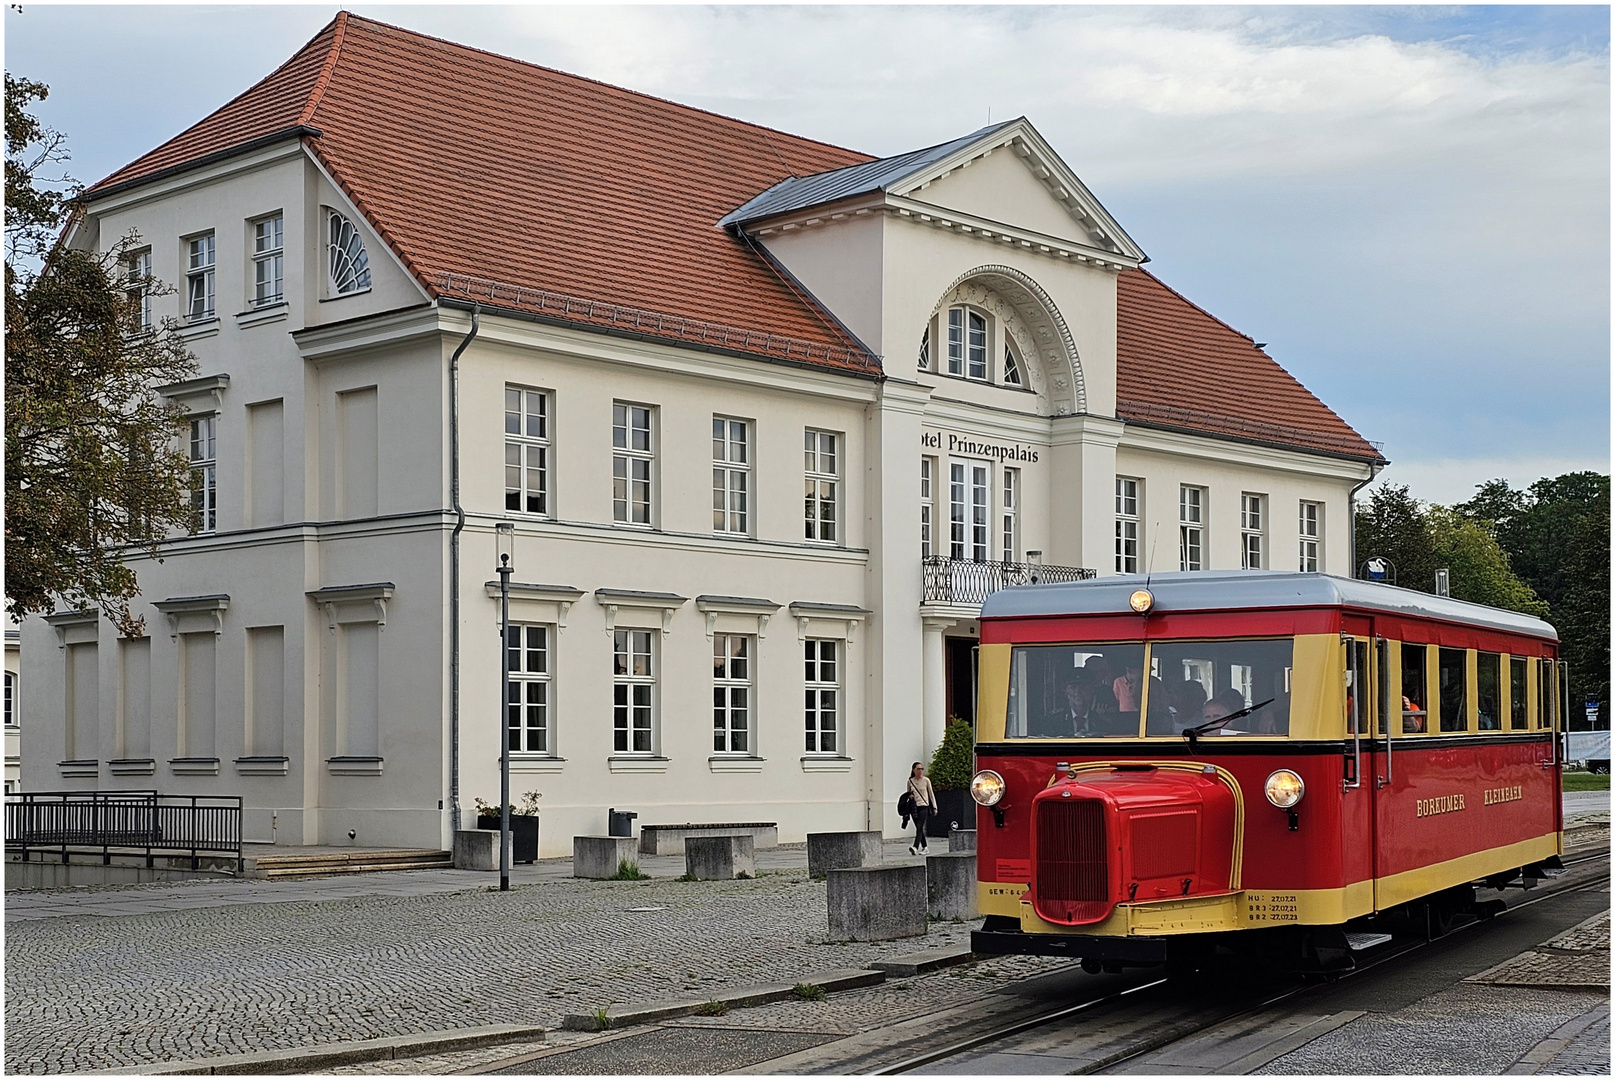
pixel 1410 205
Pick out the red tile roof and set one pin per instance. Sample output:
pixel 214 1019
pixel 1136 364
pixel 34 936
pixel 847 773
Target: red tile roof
pixel 534 190
pixel 1179 366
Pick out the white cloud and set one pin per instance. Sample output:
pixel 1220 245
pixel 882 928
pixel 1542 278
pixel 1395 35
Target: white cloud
pixel 1454 480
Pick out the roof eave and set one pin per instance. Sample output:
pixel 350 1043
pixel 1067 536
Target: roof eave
pixel 295 131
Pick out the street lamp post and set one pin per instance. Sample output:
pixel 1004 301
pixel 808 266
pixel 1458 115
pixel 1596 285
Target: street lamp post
pixel 505 536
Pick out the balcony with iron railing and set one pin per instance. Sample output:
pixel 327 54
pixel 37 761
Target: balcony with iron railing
pixel 966 582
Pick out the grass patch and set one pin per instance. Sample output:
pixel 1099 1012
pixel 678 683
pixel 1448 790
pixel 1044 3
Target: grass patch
pixel 628 871
pixel 1581 781
pixel 602 1019
pixel 713 1008
pixel 686 877
pixel 743 876
pixel 808 992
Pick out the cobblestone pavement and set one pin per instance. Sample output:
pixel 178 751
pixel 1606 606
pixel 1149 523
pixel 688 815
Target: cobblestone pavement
pixel 1587 1054
pixel 87 993
pixel 1577 958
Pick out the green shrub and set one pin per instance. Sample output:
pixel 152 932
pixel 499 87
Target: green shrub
pixel 628 871
pixel 808 992
pixel 713 1008
pixel 954 762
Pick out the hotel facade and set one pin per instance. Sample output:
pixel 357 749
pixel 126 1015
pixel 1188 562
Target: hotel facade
pixel 759 421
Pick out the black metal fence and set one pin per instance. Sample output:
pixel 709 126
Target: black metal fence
pixel 965 581
pixel 48 822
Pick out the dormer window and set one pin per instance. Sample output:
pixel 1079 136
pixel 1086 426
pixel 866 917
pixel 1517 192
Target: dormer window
pixel 350 266
pixel 967 343
pixel 1012 368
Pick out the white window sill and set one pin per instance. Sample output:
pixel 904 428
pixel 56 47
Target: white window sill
pixel 353 766
pixel 735 763
pixel 827 764
pixel 194 766
pixel 200 328
pixel 266 314
pixel 345 296
pixel 132 766
pixel 81 767
pixel 537 764
pixel 262 766
pixel 637 764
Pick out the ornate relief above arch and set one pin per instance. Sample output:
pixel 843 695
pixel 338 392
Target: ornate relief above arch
pixel 1034 323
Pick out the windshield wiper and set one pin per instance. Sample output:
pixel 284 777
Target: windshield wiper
pixel 1194 733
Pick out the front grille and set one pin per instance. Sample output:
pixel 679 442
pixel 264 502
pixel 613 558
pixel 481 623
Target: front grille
pixel 1072 876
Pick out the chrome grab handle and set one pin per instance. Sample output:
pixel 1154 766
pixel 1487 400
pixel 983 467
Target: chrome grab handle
pixel 1354 698
pixel 1382 660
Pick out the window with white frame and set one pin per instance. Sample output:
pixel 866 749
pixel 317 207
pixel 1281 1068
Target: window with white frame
pixel 731 475
pixel 967 510
pixel 925 350
pixel 822 695
pixel 633 692
pixel 199 260
pixel 967 343
pixel 1126 525
pixel 927 506
pixel 821 463
pixel 1311 537
pixel 631 462
pixel 1252 530
pixel 527 451
pixel 1191 527
pixel 268 262
pixel 138 282
pixel 1012 368
pixel 527 695
pixel 349 262
pixel 1011 515
pixel 731 693
pixel 11 699
pixel 204 472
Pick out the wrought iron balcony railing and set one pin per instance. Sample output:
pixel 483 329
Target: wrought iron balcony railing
pixel 965 581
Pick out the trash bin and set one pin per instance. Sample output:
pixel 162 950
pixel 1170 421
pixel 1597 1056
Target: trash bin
pixel 620 822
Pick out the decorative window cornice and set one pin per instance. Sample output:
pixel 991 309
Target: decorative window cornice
pixel 194 614
pixel 354 603
pixel 523 592
pixel 75 627
pixel 613 600
pixel 849 615
pixel 745 606
pixel 198 395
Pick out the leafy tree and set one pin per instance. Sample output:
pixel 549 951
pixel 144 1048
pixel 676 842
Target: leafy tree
pixel 954 762
pixel 1556 534
pixel 1391 524
pixel 94 465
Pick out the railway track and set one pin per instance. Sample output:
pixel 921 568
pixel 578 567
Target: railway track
pixel 1195 1021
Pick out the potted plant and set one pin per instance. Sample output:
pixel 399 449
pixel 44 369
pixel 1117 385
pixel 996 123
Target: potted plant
pixel 952 766
pixel 523 825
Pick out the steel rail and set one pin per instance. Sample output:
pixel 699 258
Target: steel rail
pixel 1370 964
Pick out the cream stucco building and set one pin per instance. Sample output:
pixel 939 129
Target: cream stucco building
pixel 767 419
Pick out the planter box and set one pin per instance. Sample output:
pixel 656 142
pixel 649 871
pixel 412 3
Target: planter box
pixel 523 837
pixel 952 806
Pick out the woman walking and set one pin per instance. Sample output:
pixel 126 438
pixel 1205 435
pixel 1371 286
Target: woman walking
pixel 919 790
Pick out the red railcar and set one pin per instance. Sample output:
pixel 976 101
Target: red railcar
pixel 1226 753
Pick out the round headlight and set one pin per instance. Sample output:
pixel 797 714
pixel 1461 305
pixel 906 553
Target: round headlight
pixel 1141 600
pixel 987 787
pixel 1284 789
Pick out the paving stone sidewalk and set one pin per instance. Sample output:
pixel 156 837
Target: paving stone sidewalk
pixel 190 980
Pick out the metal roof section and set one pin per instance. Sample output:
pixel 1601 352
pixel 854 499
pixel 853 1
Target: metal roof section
pixel 800 192
pixel 1245 590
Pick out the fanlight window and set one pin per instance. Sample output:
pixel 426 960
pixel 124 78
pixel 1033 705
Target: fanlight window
pixel 350 265
pixel 1012 368
pixel 925 350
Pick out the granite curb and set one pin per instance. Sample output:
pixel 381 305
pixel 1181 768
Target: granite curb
pixel 903 967
pixel 1550 1048
pixel 620 1016
pixel 308 1059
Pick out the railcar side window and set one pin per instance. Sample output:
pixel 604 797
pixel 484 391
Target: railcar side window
pixel 1519 716
pixel 1489 691
pixel 1196 683
pixel 1545 695
pixel 1415 718
pixel 1452 676
pixel 1075 691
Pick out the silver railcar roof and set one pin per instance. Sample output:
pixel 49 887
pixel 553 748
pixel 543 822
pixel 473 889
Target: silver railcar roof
pixel 1211 590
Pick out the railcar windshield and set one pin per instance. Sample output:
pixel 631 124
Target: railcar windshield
pixel 1194 684
pixel 1075 691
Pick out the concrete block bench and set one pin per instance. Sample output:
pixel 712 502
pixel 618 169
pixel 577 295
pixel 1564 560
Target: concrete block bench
pixel 950 885
pixel 876 903
pixel 669 839
pixel 476 849
pixel 719 858
pixel 600 856
pixel 962 840
pixel 828 851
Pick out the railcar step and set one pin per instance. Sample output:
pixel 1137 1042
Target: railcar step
pixel 1359 942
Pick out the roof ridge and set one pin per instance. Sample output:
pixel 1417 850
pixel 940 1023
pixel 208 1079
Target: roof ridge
pixel 1200 309
pixel 610 86
pixel 324 79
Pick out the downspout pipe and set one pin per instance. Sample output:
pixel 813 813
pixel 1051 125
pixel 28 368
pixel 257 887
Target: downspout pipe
pixel 454 570
pixel 1351 515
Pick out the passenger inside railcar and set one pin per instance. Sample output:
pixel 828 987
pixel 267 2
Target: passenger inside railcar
pixel 1452 674
pixel 1414 715
pixel 1245 682
pixel 1070 691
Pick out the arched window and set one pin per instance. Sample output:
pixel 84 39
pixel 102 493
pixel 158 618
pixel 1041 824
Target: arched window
pixel 1012 368
pixel 967 343
pixel 350 266
pixel 925 350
